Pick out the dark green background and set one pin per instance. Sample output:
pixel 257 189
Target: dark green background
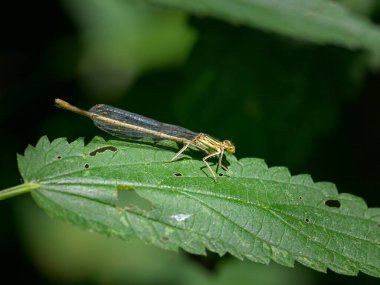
pixel 314 109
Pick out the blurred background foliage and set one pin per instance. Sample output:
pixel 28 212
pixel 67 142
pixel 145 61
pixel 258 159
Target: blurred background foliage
pixel 313 108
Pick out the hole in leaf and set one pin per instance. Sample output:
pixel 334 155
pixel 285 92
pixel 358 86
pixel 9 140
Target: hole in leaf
pixel 103 149
pixel 333 203
pixel 307 220
pixel 300 197
pixel 87 166
pixel 178 174
pixel 59 157
pixel 164 238
pixel 128 198
pixel 220 174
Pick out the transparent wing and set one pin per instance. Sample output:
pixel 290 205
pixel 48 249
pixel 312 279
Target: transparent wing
pixel 136 120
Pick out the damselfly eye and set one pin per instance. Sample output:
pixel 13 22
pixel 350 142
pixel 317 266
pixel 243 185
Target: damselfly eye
pixel 230 148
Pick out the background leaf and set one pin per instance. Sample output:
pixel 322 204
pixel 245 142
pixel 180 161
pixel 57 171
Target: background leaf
pixel 319 21
pixel 258 213
pixel 122 40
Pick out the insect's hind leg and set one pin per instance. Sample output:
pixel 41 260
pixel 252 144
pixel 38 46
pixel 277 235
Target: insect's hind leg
pixel 179 152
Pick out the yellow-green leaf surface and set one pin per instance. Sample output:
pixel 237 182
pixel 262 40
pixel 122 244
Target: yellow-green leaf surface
pixel 320 21
pixel 255 212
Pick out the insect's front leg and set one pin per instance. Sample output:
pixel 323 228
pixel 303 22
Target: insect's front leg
pixel 208 166
pixel 220 161
pixel 229 172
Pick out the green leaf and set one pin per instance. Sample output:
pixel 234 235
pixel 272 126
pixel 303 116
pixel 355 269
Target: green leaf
pixel 319 21
pixel 122 40
pixel 257 213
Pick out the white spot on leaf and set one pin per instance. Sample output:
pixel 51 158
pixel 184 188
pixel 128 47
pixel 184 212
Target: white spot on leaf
pixel 181 217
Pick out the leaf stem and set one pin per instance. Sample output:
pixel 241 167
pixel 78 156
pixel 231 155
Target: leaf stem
pixel 18 190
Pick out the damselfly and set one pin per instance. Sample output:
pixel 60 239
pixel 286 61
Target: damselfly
pixel 127 125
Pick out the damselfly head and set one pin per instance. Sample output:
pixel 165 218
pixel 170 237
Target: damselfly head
pixel 229 146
